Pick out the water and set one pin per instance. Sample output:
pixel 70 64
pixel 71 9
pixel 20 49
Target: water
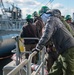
pixel 3 62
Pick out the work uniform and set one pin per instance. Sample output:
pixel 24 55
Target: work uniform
pixel 72 26
pixel 63 40
pixel 69 27
pixel 29 31
pixel 39 26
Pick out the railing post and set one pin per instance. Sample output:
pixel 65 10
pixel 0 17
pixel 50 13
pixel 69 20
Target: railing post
pixel 17 51
pixel 29 67
pixel 43 53
pixel 29 62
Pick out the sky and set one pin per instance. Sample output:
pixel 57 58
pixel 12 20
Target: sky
pixel 29 6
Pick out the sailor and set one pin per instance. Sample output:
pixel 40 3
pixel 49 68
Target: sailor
pixel 43 10
pixel 42 13
pixel 61 37
pixel 35 15
pixel 69 21
pixel 67 25
pixel 68 18
pixel 29 31
pixel 50 48
pixel 39 23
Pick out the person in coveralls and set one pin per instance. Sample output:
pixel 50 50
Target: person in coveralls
pixel 39 23
pixel 29 31
pixel 62 39
pixel 68 19
pixel 50 47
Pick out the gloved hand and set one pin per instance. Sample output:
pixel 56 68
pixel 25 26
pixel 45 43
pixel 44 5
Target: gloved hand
pixel 35 49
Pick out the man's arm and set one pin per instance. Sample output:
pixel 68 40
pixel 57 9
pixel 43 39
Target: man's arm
pixel 49 28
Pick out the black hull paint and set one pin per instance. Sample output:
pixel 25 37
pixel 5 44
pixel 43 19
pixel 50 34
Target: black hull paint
pixel 6 46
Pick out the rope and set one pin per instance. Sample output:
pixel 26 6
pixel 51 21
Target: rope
pixel 5 57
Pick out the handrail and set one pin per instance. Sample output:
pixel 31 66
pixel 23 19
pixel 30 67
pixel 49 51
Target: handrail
pixel 35 38
pixel 17 38
pixel 42 62
pixel 28 63
pixel 15 25
pixel 31 38
pixel 32 55
pixel 17 68
pixel 38 69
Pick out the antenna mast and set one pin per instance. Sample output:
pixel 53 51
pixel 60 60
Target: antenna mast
pixel 2 6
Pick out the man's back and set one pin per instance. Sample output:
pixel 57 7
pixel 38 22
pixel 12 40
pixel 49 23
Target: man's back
pixel 29 31
pixel 39 26
pixel 61 37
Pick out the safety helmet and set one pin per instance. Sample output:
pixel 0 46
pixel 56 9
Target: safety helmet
pixel 39 12
pixel 54 12
pixel 29 17
pixel 35 14
pixel 68 17
pixel 44 9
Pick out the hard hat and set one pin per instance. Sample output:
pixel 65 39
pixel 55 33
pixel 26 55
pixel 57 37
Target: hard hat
pixel 68 17
pixel 29 17
pixel 40 12
pixel 35 14
pixel 44 9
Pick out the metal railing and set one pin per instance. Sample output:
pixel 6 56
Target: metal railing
pixel 28 63
pixel 18 51
pixel 7 24
pixel 41 64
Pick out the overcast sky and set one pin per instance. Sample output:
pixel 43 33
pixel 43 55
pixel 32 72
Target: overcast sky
pixel 29 6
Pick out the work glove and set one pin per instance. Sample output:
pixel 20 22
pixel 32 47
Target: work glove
pixel 35 49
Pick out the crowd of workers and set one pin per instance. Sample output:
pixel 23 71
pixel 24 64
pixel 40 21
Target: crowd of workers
pixel 56 33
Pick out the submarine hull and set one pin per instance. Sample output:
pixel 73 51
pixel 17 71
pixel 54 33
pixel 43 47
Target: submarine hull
pixel 6 46
pixel 7 43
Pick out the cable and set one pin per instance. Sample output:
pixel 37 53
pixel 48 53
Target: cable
pixel 50 1
pixel 3 7
pixel 4 13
